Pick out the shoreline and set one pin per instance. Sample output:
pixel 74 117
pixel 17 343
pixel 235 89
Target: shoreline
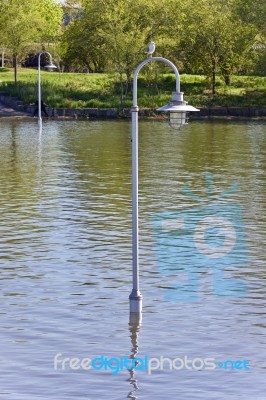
pixel 12 107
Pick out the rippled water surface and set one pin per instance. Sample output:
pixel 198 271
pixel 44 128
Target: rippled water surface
pixel 65 256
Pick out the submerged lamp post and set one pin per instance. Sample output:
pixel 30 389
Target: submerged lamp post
pixel 50 67
pixel 178 110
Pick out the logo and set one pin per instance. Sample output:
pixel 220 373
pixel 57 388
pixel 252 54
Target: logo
pixel 118 364
pixel 193 241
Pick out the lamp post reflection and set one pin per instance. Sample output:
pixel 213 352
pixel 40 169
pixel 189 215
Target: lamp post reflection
pixel 134 329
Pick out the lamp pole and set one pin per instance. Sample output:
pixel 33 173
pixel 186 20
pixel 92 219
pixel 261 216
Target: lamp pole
pixel 176 106
pixel 50 65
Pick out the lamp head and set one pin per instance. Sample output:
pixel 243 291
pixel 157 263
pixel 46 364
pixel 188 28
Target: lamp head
pixel 178 110
pixel 50 66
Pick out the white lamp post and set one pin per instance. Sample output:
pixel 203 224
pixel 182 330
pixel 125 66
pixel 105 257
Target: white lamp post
pixel 178 110
pixel 50 67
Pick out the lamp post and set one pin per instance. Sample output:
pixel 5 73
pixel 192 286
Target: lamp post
pixel 50 67
pixel 178 110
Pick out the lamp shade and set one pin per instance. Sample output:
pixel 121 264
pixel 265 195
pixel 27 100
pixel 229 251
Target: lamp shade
pixel 50 66
pixel 178 110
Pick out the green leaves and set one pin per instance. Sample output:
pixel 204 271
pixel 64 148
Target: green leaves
pixel 203 36
pixel 215 40
pixel 26 24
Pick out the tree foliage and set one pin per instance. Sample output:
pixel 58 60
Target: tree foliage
pixel 252 12
pixel 208 36
pixel 201 36
pixel 215 40
pixel 26 24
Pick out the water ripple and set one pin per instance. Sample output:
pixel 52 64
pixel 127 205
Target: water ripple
pixel 65 256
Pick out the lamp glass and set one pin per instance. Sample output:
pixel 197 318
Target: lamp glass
pixel 177 119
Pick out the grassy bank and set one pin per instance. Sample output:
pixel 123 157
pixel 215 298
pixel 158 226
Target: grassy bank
pixel 74 90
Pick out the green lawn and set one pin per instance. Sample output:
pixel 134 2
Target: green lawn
pixel 73 90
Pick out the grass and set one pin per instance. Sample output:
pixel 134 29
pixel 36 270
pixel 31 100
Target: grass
pixel 73 90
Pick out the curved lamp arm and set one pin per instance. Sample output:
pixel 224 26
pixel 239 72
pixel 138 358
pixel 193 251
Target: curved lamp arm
pixel 164 60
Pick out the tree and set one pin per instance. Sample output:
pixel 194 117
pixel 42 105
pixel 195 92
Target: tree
pixel 112 36
pixel 126 30
pixel 214 39
pixel 252 12
pixel 109 36
pixel 25 24
pixel 81 42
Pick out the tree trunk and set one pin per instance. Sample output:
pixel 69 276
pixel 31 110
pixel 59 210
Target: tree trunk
pixel 226 76
pixel 129 81
pixel 213 76
pixel 15 66
pixel 121 90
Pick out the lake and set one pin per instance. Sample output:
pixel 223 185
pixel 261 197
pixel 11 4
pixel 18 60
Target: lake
pixel 65 257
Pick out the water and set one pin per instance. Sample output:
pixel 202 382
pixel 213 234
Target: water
pixel 65 256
